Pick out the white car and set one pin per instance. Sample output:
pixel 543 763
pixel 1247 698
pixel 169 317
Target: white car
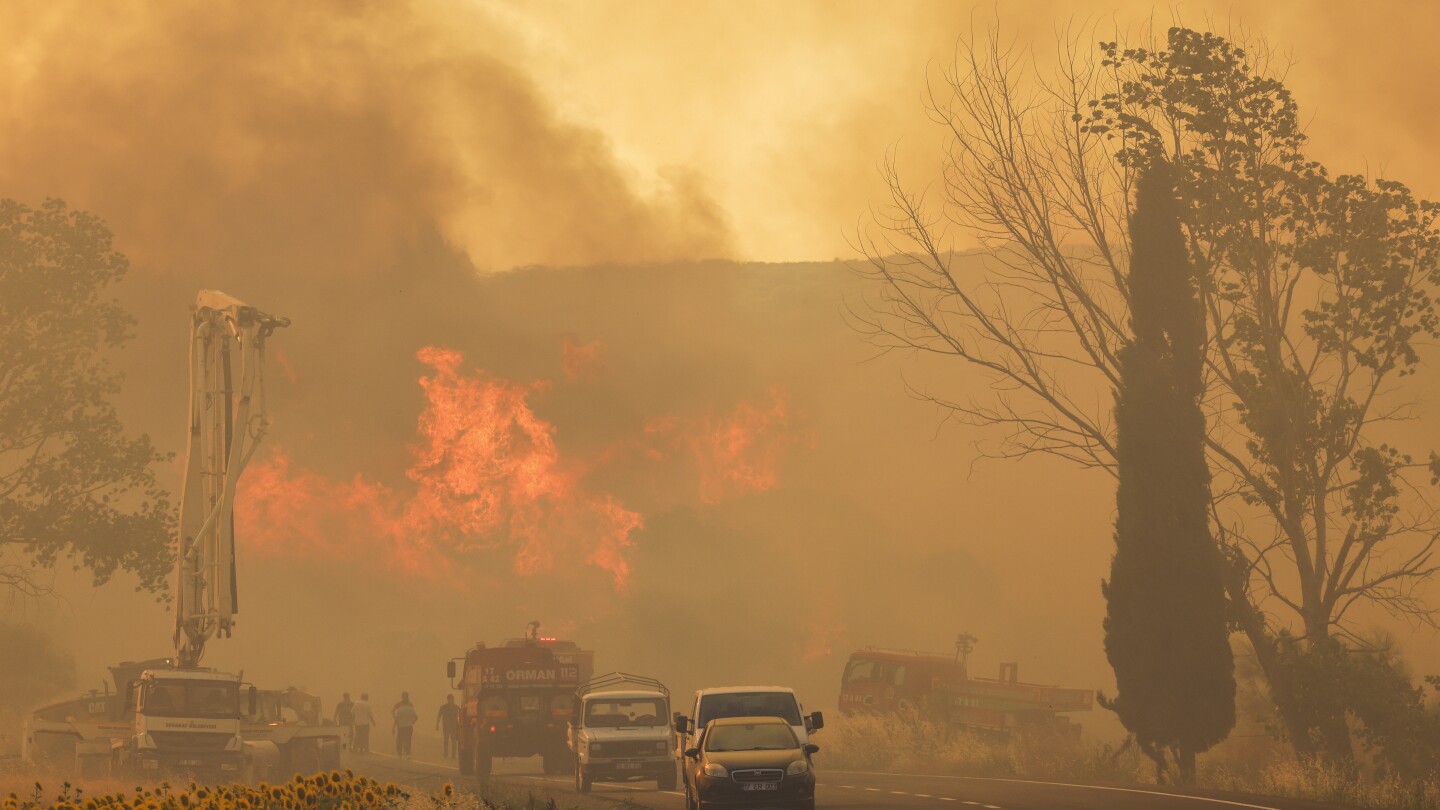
pixel 746 701
pixel 623 735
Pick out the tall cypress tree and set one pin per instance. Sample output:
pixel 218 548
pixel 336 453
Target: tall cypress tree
pixel 1165 628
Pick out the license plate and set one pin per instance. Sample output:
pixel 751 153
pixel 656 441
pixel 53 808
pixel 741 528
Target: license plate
pixel 760 786
pixel 627 766
pixel 189 762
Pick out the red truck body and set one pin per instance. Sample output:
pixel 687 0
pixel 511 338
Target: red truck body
pixel 939 688
pixel 516 701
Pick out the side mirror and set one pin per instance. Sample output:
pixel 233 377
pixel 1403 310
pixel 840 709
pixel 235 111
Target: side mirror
pixel 693 753
pixel 682 724
pixel 254 701
pixel 450 669
pixel 812 748
pixel 817 721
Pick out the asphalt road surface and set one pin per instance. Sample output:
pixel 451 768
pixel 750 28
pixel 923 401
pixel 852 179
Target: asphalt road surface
pixel 850 790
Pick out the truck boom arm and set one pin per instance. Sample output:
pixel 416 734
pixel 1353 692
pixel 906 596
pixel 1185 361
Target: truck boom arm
pixel 227 421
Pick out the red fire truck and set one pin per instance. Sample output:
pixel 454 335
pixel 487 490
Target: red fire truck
pixel 938 687
pixel 516 700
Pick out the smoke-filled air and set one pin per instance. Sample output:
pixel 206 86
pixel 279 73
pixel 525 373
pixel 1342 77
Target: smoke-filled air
pixel 1030 405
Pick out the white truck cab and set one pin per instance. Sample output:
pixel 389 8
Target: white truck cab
pixel 620 734
pixel 187 720
pixel 746 701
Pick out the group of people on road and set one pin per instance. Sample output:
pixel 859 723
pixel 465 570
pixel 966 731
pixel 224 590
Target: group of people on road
pixel 358 716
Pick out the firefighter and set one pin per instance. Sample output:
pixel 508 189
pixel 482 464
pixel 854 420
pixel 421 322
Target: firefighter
pixel 448 722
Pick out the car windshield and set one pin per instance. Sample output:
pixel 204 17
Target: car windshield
pixel 623 712
pixel 751 737
pixel 749 704
pixel 178 698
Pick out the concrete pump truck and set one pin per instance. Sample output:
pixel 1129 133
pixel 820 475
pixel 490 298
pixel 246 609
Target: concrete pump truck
pixel 186 717
pixel 171 714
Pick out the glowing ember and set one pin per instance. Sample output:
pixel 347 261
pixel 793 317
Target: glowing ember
pixel 821 640
pixel 486 475
pixel 283 361
pixel 581 359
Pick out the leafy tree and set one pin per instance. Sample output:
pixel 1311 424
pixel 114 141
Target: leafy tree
pixel 1316 291
pixel 72 483
pixel 1374 695
pixel 1165 631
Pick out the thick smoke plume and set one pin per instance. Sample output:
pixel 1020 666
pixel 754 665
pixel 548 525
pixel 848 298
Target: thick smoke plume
pixel 314 136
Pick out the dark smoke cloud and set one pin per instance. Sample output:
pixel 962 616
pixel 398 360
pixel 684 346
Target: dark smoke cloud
pixel 280 138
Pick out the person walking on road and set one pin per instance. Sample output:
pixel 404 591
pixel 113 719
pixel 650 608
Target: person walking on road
pixel 404 717
pixel 363 717
pixel 448 721
pixel 345 714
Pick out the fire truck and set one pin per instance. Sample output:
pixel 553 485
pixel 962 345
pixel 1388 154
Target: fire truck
pixel 939 687
pixel 516 700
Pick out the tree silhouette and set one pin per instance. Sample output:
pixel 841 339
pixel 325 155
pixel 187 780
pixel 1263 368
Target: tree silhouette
pixel 1165 628
pixel 1316 291
pixel 72 483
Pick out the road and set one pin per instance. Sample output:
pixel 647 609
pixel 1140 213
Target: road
pixel 846 790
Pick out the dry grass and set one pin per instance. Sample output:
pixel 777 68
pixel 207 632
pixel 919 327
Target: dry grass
pixel 909 744
pixel 1320 783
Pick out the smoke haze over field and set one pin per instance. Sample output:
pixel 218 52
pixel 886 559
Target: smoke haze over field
pixel 674 447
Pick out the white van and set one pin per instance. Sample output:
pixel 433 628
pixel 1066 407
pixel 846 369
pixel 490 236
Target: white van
pixel 746 701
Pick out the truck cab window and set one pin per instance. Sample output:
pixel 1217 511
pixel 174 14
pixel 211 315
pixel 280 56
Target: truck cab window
pixel 859 671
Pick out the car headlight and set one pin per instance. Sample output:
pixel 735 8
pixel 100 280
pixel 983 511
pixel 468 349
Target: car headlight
pixel 716 769
pixel 596 748
pixel 797 767
pixel 662 746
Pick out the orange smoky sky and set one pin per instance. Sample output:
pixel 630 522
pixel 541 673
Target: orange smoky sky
pixel 580 132
pixel 785 109
pixel 567 328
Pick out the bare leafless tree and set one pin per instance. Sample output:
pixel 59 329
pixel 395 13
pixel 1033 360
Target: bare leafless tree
pixel 1316 290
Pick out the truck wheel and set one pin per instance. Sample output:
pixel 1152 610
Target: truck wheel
pixel 482 763
pixel 582 780
pixel 305 759
pixel 467 762
pixel 330 755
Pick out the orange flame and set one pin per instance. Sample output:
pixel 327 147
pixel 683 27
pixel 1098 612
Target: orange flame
pixel 486 475
pixel 735 454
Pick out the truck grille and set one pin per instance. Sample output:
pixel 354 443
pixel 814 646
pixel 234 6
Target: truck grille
pixel 630 748
pixel 758 775
pixel 191 740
